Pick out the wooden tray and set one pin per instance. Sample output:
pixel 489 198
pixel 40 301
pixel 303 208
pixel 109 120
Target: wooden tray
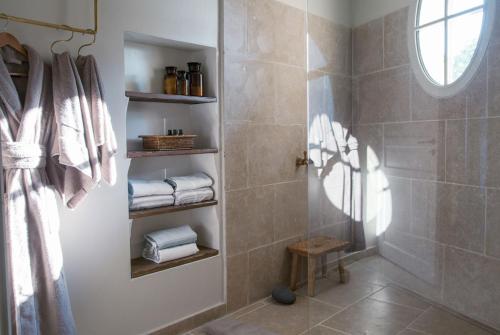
pixel 166 142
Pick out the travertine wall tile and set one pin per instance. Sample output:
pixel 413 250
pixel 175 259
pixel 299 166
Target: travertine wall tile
pixel 492 232
pixel 276 32
pixel 384 96
pixel 395 39
pixel 415 150
pixel 235 155
pixel 472 152
pixel 368 47
pixel 237 282
pixel 447 150
pixel 471 285
pixel 330 46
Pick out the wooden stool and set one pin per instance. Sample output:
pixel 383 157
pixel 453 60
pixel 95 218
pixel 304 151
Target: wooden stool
pixel 312 249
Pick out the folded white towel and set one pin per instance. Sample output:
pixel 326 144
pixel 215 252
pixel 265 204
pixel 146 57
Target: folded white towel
pixel 192 182
pixel 151 202
pixel 144 188
pixel 169 254
pixel 193 196
pixel 171 237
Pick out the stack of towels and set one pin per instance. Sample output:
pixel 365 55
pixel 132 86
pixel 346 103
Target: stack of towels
pixel 191 189
pixel 183 190
pixel 170 244
pixel 143 194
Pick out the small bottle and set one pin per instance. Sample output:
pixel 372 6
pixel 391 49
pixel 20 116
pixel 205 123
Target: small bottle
pixel 174 132
pixel 181 132
pixel 170 80
pixel 182 83
pixel 195 79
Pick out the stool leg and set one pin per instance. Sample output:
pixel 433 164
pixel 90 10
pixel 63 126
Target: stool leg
pixel 324 265
pixel 311 278
pixel 341 269
pixel 294 271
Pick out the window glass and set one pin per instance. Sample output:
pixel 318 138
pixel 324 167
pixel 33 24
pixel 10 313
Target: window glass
pixel 463 37
pixel 431 10
pixel 447 39
pixel 432 52
pixel 458 6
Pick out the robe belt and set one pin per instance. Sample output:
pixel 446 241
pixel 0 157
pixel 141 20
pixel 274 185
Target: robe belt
pixel 19 155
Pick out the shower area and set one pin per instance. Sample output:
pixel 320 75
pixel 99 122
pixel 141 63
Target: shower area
pixel 408 177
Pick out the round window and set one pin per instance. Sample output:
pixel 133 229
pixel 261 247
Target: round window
pixel 450 38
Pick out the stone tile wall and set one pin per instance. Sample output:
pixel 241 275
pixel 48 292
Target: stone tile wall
pixel 431 170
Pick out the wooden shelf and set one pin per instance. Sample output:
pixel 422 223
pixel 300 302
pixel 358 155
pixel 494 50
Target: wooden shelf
pixel 168 98
pixel 143 213
pixel 144 154
pixel 141 267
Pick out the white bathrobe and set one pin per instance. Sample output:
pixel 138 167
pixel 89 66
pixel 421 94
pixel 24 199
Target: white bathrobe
pixel 39 302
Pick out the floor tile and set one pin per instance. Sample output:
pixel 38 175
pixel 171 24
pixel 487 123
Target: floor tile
pixel 331 291
pixel 438 322
pixel 400 297
pixel 364 273
pixel 293 319
pixel 321 330
pixel 411 332
pixel 373 317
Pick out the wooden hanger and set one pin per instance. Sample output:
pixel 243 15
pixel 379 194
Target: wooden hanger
pixel 7 39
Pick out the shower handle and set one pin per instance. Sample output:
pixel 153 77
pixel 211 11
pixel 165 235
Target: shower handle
pixel 302 161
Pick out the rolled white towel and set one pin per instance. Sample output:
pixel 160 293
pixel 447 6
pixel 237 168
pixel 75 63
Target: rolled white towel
pixel 151 202
pixel 193 196
pixel 144 188
pixel 191 182
pixel 169 254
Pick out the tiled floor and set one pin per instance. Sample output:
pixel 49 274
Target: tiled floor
pixel 368 304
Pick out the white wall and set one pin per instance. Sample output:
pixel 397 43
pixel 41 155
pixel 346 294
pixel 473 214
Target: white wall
pixel 95 237
pixel 364 11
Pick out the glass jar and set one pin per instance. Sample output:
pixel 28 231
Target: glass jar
pixel 182 83
pixel 170 80
pixel 195 79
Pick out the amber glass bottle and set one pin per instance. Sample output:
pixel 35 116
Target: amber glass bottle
pixel 170 80
pixel 182 83
pixel 195 79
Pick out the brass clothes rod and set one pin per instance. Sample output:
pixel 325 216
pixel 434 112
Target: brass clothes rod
pixel 54 25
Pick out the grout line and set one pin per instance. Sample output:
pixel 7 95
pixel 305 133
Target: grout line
pixel 354 303
pixel 445 149
pixel 383 41
pixel 487 55
pixel 328 327
pixel 418 317
pixel 360 75
pixel 417 331
pixel 265 185
pixel 443 273
pixel 426 180
pixel 265 304
pixel 479 118
pixel 398 304
pixel 485 222
pixel 274 242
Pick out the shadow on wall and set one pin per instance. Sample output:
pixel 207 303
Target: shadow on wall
pixel 335 192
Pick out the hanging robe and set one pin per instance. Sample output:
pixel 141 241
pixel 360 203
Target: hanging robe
pixel 39 301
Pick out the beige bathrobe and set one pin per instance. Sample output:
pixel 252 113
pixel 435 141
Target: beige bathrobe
pixel 39 302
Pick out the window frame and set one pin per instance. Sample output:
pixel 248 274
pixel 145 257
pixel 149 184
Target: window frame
pixel 419 69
